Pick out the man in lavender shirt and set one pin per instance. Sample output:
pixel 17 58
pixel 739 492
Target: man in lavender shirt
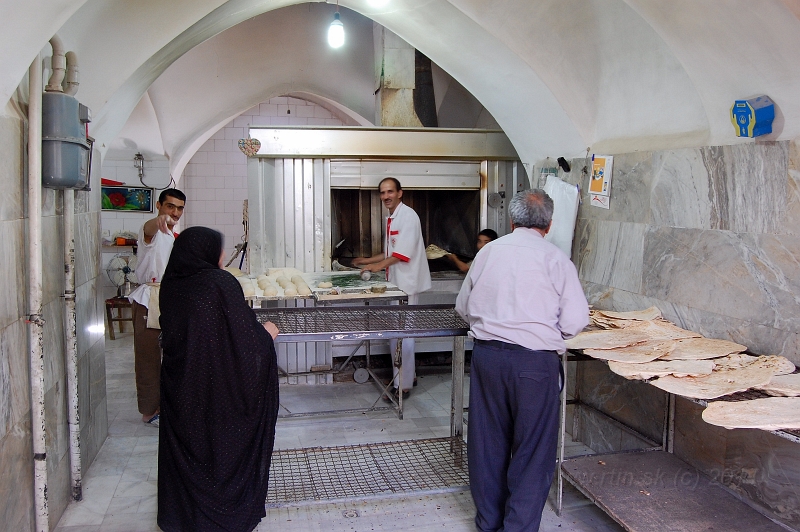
pixel 522 298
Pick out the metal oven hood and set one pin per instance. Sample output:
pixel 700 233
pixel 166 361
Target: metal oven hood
pixel 291 177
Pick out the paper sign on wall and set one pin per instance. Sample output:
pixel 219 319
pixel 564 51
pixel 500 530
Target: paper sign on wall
pixel 596 200
pixel 600 180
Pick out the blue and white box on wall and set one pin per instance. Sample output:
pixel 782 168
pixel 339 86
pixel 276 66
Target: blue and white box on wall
pixel 753 117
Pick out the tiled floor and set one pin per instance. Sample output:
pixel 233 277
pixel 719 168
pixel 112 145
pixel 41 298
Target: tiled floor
pixel 120 486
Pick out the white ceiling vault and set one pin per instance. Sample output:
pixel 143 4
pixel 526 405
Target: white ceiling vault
pixel 559 76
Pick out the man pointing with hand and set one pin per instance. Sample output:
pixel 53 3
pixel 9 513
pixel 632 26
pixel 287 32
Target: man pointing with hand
pixel 155 245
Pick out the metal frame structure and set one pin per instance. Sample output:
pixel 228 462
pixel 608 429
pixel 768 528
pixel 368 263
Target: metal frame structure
pixel 667 441
pixel 328 324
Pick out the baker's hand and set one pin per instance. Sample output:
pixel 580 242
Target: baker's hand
pixel 371 268
pixel 358 261
pixel 272 329
pixel 165 223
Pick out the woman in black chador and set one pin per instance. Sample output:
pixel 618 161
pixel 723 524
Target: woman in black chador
pixel 219 394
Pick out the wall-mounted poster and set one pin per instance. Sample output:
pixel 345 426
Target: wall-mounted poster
pixel 600 180
pixel 597 200
pixel 127 199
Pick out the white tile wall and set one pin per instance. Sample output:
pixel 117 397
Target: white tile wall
pixel 215 180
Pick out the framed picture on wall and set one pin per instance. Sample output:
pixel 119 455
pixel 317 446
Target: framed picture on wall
pixel 127 199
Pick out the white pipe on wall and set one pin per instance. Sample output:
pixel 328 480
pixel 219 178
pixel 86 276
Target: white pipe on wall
pixel 71 346
pixel 58 64
pixel 35 319
pixel 71 80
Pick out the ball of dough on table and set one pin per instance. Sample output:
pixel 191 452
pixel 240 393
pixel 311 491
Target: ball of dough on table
pixel 270 291
pixel 291 291
pixel 298 280
pixel 264 283
pixel 248 289
pixel 325 284
pixel 304 290
pixel 283 281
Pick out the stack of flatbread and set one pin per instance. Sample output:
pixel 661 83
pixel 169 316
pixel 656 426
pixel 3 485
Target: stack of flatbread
pixel 435 252
pixel 642 345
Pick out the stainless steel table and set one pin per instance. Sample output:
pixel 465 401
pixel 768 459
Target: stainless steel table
pixel 327 324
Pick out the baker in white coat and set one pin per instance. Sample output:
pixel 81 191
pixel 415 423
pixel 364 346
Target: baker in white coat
pixel 405 263
pixel 155 245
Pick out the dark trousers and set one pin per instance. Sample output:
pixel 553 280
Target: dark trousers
pixel 512 434
pixel 147 362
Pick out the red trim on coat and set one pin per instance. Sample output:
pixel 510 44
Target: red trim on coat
pixel 401 257
pixel 394 232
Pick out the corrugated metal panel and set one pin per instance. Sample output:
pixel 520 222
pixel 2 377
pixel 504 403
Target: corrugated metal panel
pixel 411 174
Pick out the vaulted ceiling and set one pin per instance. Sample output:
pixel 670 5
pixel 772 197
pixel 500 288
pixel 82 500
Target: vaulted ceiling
pixel 559 76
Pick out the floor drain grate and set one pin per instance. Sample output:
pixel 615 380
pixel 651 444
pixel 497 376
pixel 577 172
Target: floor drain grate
pixel 358 471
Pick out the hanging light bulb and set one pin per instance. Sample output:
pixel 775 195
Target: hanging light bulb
pixel 336 32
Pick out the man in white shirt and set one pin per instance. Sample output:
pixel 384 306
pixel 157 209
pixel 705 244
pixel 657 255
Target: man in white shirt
pixel 522 298
pixel 405 263
pixel 154 247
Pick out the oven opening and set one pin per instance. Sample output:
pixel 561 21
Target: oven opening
pixel 449 219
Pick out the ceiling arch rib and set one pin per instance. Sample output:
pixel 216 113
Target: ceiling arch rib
pixel 273 54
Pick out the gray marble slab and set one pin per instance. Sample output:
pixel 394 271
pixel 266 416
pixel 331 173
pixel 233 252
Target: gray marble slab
pixel 12 271
pixel 609 253
pixel 12 170
pixel 16 482
pixel 630 189
pixel 680 190
pixel 14 348
pixel 755 278
pixel 87 247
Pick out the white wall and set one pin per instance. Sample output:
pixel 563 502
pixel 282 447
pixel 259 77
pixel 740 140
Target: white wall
pixel 215 180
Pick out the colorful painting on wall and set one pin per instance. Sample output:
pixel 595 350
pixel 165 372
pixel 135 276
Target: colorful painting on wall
pixel 127 199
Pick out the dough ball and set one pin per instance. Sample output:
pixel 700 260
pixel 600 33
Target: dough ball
pixel 275 272
pixel 283 281
pixel 325 284
pixel 304 290
pixel 270 291
pixel 248 289
pixel 290 291
pixel 264 283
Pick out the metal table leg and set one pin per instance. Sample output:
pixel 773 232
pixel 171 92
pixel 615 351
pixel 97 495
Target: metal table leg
pixel 457 392
pixel 562 436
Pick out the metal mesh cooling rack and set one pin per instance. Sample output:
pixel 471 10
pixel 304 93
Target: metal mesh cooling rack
pixel 364 322
pixel 360 471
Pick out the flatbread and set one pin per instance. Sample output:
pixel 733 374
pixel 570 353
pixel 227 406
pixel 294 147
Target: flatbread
pixel 734 373
pixel 769 413
pixel 780 365
pixel 634 354
pixel 435 252
pixel 661 368
pixel 642 315
pixel 607 339
pixel 783 385
pixel 644 331
pixel 703 348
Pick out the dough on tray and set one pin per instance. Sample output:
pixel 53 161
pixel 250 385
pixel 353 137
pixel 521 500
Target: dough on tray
pixel 325 284
pixel 783 385
pixel 636 354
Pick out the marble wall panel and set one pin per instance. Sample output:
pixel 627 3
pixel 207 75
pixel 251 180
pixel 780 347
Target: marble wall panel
pixel 52 203
pixel 742 276
pixel 16 482
pixel 14 346
pixel 696 442
pixel 87 247
pixel 6 389
pixel 630 189
pixel 93 434
pixel 766 469
pixel 56 430
pixel 637 405
pixel 53 335
pixel 680 190
pixel 97 374
pixel 59 493
pixel 52 258
pixel 12 172
pixel 756 181
pixel 790 224
pixel 609 253
pixel 89 308
pixel 13 271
